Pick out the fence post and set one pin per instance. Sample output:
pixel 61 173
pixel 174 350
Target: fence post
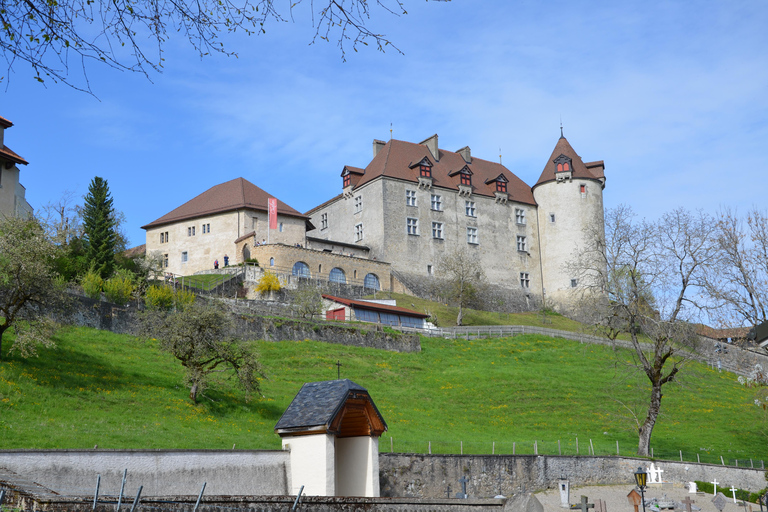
pixel 391 445
pixel 430 447
pixel 577 445
pixel 513 447
pixel 535 447
pixel 96 494
pixel 591 448
pixel 199 497
pixel 750 464
pixel 493 448
pixel 721 460
pixel 737 462
pixel 122 488
pixel 698 459
pixel 461 448
pixel 559 451
pixel 136 501
pixel 617 447
pixel 651 452
pixel 681 455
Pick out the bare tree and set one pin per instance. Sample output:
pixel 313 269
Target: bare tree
pixel 54 36
pixel 642 279
pixel 739 289
pixel 464 276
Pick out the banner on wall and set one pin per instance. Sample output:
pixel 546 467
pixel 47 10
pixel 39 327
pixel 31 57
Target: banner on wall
pixel 272 213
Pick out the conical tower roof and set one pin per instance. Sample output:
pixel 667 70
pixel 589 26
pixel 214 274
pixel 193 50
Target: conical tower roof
pixel 590 170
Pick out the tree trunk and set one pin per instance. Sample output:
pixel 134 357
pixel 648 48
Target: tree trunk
pixel 645 431
pixel 193 392
pixel 460 316
pixel 2 331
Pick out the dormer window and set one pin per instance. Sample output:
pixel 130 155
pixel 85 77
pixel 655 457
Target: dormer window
pixel 425 171
pixel 347 179
pixel 564 167
pixel 501 186
pixel 466 179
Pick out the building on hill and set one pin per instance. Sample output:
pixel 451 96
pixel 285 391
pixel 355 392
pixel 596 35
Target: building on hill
pixel 413 204
pixel 227 220
pixel 13 201
pixel 397 218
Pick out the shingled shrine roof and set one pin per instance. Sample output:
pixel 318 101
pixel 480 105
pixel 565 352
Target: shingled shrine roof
pixel 338 407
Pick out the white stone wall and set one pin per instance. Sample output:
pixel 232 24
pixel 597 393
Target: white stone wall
pixel 312 464
pixel 9 181
pixel 203 248
pixel 563 238
pixel 357 466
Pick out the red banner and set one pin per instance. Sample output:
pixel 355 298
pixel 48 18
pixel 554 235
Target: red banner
pixel 272 213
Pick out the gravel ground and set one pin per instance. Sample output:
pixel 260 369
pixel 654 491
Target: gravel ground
pixel 615 497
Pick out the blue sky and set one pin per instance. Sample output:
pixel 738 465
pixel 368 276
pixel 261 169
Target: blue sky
pixel 672 95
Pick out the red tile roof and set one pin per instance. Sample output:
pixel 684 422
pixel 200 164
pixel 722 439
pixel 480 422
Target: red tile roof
pixel 237 194
pixel 375 307
pixel 5 123
pixel 396 158
pixel 6 152
pixel 591 171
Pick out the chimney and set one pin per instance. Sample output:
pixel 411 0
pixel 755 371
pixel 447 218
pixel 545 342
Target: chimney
pixel 431 144
pixel 465 154
pixel 377 145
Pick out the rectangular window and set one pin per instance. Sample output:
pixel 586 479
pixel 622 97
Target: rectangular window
pixel 280 227
pixel 471 235
pixel 184 257
pixel 410 198
pixel 519 215
pixel 412 226
pixel 437 203
pixel 165 260
pixel 162 238
pixel 551 218
pixel 466 179
pixel 429 270
pixel 425 171
pixel 574 283
pixel 583 190
pixel 501 186
pixel 324 221
pixel 358 232
pixel 347 180
pixel 525 280
pixel 469 208
pixel 521 244
pixel 206 228
pixel 437 230
pixel 191 231
pixel 358 204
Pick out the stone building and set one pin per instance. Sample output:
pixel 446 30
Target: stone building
pixel 416 203
pixel 13 201
pixel 226 220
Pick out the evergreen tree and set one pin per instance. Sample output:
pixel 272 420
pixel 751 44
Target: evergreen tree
pixel 99 226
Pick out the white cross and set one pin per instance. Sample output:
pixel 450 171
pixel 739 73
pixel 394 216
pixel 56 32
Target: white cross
pixel 715 484
pixel 659 471
pixel 733 491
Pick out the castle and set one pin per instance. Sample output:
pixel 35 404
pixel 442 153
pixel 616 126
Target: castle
pixel 399 216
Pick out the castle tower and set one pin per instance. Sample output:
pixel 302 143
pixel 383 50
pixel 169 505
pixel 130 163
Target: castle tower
pixel 569 195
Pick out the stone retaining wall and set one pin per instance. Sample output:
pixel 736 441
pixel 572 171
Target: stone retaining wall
pixel 435 476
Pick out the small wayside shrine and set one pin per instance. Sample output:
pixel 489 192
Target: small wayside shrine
pixel 332 430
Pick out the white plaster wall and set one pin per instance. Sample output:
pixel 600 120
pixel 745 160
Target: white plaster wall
pixel 203 248
pixel 357 466
pixel 161 472
pixel 8 180
pixel 312 464
pixel 561 240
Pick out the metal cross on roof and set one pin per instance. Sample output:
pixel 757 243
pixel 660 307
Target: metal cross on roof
pixel 338 370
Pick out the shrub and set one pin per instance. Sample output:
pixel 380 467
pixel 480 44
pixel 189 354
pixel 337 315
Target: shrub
pixel 183 299
pixel 92 284
pixel 268 283
pixel 119 288
pixel 159 297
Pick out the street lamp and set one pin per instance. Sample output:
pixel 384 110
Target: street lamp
pixel 641 478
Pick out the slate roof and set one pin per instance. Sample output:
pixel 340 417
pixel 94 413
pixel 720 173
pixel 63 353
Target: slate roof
pixel 232 195
pixel 376 307
pixel 590 171
pixel 317 404
pixel 396 158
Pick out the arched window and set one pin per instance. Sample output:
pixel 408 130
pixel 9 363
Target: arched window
pixel 337 276
pixel 271 262
pixel 300 269
pixel 371 281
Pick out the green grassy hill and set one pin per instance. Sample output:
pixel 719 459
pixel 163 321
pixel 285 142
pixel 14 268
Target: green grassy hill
pixel 111 390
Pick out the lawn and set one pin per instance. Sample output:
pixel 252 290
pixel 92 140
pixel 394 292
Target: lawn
pixel 111 390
